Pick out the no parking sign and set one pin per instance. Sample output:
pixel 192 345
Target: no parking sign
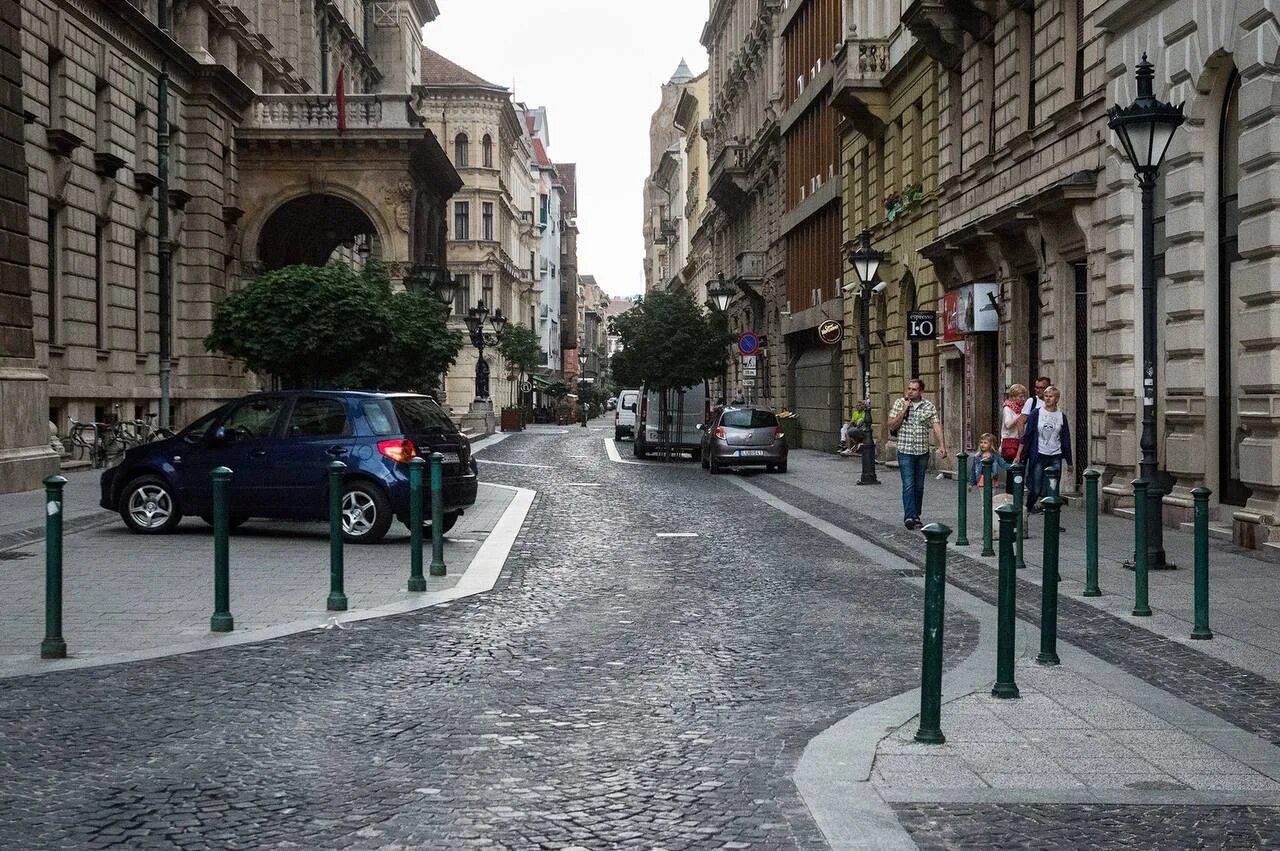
pixel 748 343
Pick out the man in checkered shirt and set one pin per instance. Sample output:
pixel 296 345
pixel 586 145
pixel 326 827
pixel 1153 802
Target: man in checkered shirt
pixel 912 418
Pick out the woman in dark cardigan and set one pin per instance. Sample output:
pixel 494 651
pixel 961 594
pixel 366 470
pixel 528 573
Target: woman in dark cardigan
pixel 1046 445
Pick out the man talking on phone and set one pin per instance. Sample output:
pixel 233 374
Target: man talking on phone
pixel 911 419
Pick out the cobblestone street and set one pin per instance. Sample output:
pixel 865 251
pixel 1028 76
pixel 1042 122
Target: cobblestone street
pixel 616 688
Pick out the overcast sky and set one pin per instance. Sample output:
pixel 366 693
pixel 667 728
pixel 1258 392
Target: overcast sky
pixel 597 66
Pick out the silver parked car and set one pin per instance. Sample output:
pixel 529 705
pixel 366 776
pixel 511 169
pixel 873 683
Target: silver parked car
pixel 743 436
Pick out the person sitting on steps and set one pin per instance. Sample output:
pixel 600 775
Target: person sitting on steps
pixel 854 430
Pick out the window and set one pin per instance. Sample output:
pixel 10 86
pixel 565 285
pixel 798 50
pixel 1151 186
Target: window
pixel 486 220
pixel 418 414
pixel 462 220
pixel 462 297
pixel 100 283
pixel 102 117
pixel 460 150
pixel 378 414
pixel 749 418
pixel 542 209
pixel 53 243
pixel 196 432
pixel 486 290
pixel 487 147
pixel 253 419
pixel 318 417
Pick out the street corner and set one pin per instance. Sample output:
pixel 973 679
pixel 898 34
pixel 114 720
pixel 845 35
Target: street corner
pixel 129 598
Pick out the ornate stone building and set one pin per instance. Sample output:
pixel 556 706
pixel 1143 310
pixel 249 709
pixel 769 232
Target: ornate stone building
pixel 691 113
pixel 1020 248
pixel 746 182
pixel 1217 248
pixel 267 166
pixel 492 233
pixel 665 228
pixel 886 88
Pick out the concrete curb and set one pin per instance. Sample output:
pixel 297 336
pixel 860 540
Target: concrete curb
pixel 834 772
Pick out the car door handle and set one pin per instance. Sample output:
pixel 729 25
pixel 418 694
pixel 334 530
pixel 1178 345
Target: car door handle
pixel 336 451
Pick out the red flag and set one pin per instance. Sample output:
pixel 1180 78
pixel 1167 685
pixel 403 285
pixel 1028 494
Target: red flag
pixel 342 98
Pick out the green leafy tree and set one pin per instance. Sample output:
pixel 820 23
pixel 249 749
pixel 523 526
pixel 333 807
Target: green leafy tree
pixel 519 348
pixel 313 326
pixel 668 342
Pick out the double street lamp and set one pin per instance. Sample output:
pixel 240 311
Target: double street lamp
pixel 1145 129
pixel 435 278
pixel 475 320
pixel 866 262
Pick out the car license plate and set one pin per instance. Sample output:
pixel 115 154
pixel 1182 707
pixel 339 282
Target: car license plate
pixel 449 457
pixel 745 452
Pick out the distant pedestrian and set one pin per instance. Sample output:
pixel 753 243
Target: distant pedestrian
pixel 1010 422
pixel 987 449
pixel 1046 445
pixel 910 420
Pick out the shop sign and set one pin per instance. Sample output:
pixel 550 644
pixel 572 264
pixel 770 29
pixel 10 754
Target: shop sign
pixel 922 324
pixel 830 332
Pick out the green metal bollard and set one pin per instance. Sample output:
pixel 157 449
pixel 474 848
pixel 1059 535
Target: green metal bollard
pixel 416 581
pixel 1091 533
pixel 1052 505
pixel 337 600
pixel 1018 473
pixel 437 515
pixel 53 646
pixel 1201 629
pixel 962 499
pixel 1141 605
pixel 988 465
pixel 1007 589
pixel 221 620
pixel 935 592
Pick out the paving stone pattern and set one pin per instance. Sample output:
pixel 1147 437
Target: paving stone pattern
pixel 1249 701
pixel 615 690
pixel 1076 826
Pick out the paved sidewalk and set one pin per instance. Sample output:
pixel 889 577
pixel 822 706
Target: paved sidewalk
pixel 130 596
pixel 22 513
pixel 1244 610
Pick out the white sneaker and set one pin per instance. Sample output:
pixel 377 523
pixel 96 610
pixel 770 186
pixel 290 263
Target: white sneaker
pixel 846 452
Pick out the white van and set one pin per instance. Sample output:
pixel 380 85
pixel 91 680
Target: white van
pixel 624 414
pixel 685 409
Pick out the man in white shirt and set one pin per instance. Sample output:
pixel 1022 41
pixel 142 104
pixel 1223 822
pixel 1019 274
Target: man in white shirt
pixel 1033 403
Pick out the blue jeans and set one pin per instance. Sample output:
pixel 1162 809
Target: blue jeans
pixel 912 468
pixel 1037 483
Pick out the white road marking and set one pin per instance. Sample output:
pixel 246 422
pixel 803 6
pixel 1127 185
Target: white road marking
pixel 514 464
pixel 487 442
pixel 677 534
pixel 612 448
pixel 583 484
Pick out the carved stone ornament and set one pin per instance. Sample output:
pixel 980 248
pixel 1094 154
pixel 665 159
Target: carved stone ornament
pixel 401 212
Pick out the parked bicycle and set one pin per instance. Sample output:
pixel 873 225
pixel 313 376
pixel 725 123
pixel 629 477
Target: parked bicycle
pixel 103 443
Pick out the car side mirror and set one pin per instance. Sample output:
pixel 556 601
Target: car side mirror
pixel 219 437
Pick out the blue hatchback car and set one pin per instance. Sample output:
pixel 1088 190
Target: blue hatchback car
pixel 279 447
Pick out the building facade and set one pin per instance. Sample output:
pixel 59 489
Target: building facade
pixel 570 323
pixel 885 86
pixel 266 167
pixel 491 232
pixel 812 228
pixel 691 111
pixel 746 182
pixel 1217 251
pixel 665 228
pixel 549 218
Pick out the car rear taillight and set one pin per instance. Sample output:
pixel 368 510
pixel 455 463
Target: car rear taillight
pixel 719 433
pixel 400 451
pixel 778 433
pixel 644 409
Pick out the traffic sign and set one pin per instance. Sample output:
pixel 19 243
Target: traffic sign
pixel 525 387
pixel 749 372
pixel 748 361
pixel 748 342
pixel 922 324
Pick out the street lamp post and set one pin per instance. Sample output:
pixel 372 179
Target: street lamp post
pixel 1145 129
pixel 582 388
pixel 720 295
pixel 866 262
pixel 432 278
pixel 475 320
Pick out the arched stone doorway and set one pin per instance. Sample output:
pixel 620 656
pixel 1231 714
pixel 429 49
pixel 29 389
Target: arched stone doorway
pixel 315 229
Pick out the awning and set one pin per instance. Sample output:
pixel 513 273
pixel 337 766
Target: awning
pixel 542 380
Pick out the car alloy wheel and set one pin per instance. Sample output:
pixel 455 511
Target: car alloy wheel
pixel 359 513
pixel 150 506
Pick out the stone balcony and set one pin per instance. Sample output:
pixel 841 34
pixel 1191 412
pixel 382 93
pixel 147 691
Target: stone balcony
pixel 857 89
pixel 730 182
pixel 309 114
